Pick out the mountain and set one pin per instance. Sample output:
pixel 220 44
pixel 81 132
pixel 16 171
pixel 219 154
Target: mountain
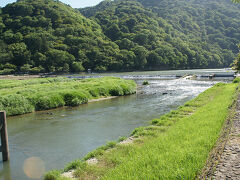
pixel 216 21
pixel 188 33
pixel 49 36
pixel 122 35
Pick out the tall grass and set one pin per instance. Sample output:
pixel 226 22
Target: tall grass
pixel 24 96
pixel 174 146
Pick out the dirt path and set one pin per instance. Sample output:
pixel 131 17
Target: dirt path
pixel 229 164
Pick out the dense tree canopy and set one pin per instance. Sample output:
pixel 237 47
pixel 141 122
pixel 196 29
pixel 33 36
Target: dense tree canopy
pixel 49 36
pixel 236 63
pixel 175 34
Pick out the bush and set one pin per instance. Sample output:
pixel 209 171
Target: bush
pixel 45 102
pixel 15 104
pixel 74 98
pixel 102 91
pixel 236 80
pixel 52 175
pixel 73 165
pixel 77 67
pixel 116 91
pixel 7 71
pixel 126 89
pixel 94 92
pixel 145 83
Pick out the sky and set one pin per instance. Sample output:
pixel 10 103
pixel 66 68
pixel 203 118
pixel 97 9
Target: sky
pixel 73 3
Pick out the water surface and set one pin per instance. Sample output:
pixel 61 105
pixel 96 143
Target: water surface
pixel 61 135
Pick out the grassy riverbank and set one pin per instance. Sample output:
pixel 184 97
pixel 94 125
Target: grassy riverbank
pixel 24 96
pixel 175 146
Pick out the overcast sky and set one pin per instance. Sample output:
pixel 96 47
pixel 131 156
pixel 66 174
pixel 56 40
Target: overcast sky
pixel 73 3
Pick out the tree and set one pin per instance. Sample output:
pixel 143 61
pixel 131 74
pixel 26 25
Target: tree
pixel 113 32
pixel 59 59
pixel 21 55
pixel 77 67
pixel 236 63
pixel 25 68
pixel 141 54
pixel 154 60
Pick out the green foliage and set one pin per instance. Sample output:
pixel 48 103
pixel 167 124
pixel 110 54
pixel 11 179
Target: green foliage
pixel 236 1
pixel 171 35
pixel 122 138
pixel 236 64
pixel 145 83
pixel 52 175
pixel 50 36
pixel 122 35
pixel 236 80
pixel 74 98
pixel 99 151
pixel 74 165
pixel 6 71
pixel 24 96
pixel 47 101
pixel 77 67
pixel 15 104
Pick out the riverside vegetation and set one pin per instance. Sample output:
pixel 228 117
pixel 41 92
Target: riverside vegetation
pixel 25 96
pixel 174 146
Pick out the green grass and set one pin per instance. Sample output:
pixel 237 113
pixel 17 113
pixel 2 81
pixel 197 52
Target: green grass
pixel 181 151
pixel 24 96
pixel 174 146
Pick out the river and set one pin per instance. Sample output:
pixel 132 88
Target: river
pixel 53 138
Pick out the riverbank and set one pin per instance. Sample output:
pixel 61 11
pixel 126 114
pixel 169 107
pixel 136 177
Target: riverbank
pixel 228 164
pixel 176 145
pixel 25 96
pixel 224 161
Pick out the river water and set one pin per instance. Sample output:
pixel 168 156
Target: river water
pixel 50 139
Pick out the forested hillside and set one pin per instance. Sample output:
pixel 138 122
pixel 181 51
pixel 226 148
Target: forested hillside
pixel 175 34
pixel 122 35
pixel 47 36
pixel 215 21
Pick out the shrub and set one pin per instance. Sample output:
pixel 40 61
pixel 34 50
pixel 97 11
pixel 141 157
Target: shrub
pixel 74 165
pixel 126 89
pixel 116 91
pixel 145 83
pixel 45 102
pixel 102 91
pixel 15 104
pixel 155 121
pixel 77 67
pixel 74 98
pixel 236 80
pixel 52 175
pixel 94 92
pixel 7 71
